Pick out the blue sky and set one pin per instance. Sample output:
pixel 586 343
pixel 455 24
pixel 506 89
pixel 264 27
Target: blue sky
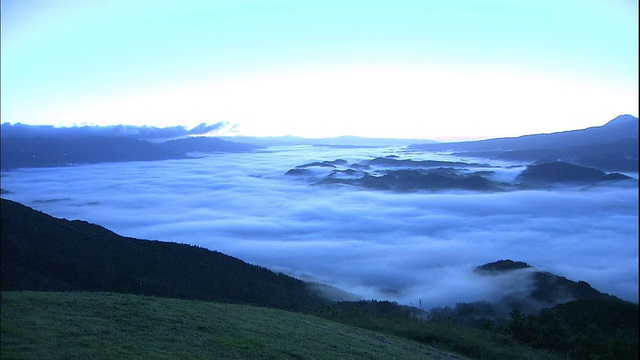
pixel 439 70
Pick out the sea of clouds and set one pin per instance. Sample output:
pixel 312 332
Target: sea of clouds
pixel 416 247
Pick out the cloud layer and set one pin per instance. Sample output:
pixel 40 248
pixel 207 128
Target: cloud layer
pixel 407 247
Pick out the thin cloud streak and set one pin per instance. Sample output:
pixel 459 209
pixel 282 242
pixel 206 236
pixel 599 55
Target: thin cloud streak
pixel 382 245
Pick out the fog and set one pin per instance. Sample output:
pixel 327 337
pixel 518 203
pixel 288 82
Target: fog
pixel 411 247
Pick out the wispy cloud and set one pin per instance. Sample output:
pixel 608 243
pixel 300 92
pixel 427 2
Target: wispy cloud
pixel 398 246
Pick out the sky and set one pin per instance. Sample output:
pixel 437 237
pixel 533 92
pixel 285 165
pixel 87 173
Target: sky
pixel 417 247
pixel 442 70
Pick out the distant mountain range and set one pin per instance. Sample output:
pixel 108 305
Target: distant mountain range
pixel 336 142
pixel 22 151
pixel 579 157
pixel 611 147
pixel 206 145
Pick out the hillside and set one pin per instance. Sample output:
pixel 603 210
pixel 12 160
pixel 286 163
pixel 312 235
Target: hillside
pixel 611 147
pixel 43 253
pixel 115 326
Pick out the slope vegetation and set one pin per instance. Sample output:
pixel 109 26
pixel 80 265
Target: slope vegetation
pixel 117 326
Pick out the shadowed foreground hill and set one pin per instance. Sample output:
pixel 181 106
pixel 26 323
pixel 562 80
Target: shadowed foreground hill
pixel 43 253
pixel 117 326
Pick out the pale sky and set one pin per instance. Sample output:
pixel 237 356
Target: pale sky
pixel 440 70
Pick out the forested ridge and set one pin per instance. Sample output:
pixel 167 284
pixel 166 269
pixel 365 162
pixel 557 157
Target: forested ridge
pixel 40 252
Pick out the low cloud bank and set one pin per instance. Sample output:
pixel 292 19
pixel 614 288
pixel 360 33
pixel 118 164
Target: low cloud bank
pixel 414 248
pixel 136 132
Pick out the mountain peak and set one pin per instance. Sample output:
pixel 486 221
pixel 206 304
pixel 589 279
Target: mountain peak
pixel 622 119
pixel 502 266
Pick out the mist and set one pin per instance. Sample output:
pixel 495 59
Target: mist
pixel 409 247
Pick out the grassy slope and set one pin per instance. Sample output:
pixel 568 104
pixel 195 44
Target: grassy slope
pixel 37 325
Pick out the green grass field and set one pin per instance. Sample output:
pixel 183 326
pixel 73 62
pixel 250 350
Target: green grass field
pixel 85 325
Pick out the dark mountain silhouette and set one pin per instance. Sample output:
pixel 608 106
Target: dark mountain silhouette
pixel 411 180
pixel 393 161
pixel 560 172
pixel 330 164
pixel 43 253
pixel 396 174
pixel 20 151
pixel 616 177
pixel 46 152
pixel 335 142
pixel 611 147
pixel 206 145
pixel 392 173
pixel 623 126
pixel 553 289
pixel 502 266
pixel 548 289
